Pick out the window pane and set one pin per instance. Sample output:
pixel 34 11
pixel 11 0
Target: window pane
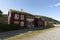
pixel 16 22
pixel 22 23
pixel 22 17
pixel 16 16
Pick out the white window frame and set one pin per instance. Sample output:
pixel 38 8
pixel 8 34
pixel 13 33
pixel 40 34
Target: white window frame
pixel 9 13
pixel 16 22
pixel 16 16
pixel 22 17
pixel 22 23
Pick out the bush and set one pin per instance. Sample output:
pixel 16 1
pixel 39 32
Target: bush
pixel 9 27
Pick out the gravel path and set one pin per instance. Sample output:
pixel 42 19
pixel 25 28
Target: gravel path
pixel 8 34
pixel 50 35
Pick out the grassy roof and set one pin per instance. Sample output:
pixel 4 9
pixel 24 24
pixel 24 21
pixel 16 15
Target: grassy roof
pixel 17 11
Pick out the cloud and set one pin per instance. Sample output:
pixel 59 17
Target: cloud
pixel 55 5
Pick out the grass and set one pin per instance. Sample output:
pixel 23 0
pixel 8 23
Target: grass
pixel 29 34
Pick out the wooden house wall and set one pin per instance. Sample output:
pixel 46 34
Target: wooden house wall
pixel 35 22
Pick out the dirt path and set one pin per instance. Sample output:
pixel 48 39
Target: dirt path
pixel 8 34
pixel 50 35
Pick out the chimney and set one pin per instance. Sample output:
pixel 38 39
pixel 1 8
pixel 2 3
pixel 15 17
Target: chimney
pixel 21 10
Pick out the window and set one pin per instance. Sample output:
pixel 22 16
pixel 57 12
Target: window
pixel 22 23
pixel 16 22
pixel 16 16
pixel 22 17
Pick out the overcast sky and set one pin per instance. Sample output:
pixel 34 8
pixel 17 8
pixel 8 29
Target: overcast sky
pixel 49 8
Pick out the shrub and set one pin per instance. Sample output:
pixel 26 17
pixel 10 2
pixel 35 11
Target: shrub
pixel 9 27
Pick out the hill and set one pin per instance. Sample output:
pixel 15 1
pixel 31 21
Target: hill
pixel 48 19
pixel 4 19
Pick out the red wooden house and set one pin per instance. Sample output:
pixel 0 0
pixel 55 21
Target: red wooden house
pixel 24 19
pixel 18 17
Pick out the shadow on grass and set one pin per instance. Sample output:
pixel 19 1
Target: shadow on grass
pixel 4 35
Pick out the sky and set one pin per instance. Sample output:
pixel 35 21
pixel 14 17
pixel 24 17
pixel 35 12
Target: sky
pixel 49 8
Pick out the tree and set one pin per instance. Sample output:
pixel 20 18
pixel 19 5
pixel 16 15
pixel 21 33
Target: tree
pixel 1 13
